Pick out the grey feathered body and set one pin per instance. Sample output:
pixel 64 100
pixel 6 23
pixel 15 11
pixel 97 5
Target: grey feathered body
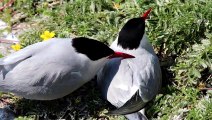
pixel 46 70
pixel 120 80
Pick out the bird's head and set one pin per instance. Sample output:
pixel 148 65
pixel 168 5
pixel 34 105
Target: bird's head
pixel 96 50
pixel 95 53
pixel 133 32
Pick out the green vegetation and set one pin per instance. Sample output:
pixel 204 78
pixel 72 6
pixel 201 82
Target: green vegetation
pixel 179 30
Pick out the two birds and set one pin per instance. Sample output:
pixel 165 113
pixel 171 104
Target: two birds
pixel 131 83
pixel 55 68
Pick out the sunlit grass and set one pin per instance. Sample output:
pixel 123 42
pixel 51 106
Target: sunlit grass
pixel 175 28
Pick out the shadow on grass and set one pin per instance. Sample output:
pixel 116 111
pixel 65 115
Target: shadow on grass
pixel 84 103
pixel 167 82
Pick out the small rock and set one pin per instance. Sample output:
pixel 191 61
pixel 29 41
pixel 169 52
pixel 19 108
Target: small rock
pixel 4 48
pixel 6 39
pixel 3 25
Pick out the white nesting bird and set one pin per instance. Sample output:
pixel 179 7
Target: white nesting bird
pixel 131 83
pixel 52 69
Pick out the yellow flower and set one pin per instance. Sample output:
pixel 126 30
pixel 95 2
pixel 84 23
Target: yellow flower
pixel 16 47
pixel 116 5
pixel 47 35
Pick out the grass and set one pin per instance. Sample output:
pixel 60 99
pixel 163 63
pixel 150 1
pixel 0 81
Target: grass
pixel 180 32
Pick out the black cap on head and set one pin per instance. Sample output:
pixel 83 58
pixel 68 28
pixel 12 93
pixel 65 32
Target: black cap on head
pixel 132 33
pixel 93 49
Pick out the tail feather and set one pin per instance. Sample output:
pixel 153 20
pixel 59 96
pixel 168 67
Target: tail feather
pixel 134 104
pixel 136 116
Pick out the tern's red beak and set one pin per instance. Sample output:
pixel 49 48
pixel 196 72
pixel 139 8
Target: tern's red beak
pixel 120 54
pixel 145 15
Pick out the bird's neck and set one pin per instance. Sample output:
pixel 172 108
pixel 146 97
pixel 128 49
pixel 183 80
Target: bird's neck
pixel 144 44
pixel 93 67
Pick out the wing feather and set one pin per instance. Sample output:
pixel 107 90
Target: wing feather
pixel 141 74
pixel 47 64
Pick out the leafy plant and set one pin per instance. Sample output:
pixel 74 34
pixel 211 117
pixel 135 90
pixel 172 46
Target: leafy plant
pixel 1 56
pixel 175 27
